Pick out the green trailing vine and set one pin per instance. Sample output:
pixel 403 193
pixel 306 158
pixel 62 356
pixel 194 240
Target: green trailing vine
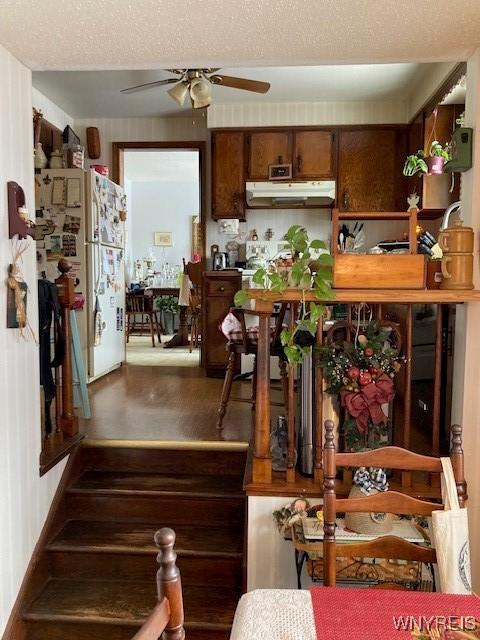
pixel 311 270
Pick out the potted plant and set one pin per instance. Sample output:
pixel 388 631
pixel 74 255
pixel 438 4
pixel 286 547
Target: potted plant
pixel 310 269
pixel 168 307
pixel 429 163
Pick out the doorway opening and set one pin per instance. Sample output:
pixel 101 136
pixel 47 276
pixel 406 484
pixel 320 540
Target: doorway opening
pixel 165 246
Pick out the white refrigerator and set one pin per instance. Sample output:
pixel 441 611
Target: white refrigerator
pixel 80 216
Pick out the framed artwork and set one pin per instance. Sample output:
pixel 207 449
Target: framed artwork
pixel 163 239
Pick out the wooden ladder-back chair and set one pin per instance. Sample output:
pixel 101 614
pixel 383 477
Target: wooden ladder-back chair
pixel 194 271
pixel 167 616
pixel 141 313
pixel 387 546
pixel 246 342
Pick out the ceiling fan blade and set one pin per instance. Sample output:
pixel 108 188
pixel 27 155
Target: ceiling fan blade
pixel 240 83
pixel 149 85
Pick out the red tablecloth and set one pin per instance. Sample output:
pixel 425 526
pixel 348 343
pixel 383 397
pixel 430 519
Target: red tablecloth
pixel 373 614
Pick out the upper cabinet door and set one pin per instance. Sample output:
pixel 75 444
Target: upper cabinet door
pixel 265 148
pixel 228 180
pixel 313 155
pixel 370 170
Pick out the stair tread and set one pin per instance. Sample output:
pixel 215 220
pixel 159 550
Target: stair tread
pixel 136 482
pixel 226 541
pixel 114 602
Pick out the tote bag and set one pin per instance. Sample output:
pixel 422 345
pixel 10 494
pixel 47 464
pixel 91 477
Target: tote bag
pixel 450 535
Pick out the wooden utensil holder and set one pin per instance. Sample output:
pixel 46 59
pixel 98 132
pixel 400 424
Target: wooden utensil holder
pixel 384 271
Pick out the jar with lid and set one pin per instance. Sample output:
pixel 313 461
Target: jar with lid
pixel 56 159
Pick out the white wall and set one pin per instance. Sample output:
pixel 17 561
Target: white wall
pixel 427 85
pixel 164 203
pixel 50 110
pixel 465 396
pixel 283 114
pixel 140 130
pixel 271 560
pixel 25 497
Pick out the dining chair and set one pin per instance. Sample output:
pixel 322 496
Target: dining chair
pixel 245 342
pixel 141 314
pixel 194 271
pixel 390 457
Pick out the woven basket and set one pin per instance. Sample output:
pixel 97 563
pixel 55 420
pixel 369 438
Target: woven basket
pixel 368 523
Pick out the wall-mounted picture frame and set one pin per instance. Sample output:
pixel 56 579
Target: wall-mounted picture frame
pixel 280 172
pixel 163 239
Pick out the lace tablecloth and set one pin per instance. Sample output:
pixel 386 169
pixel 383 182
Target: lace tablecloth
pixel 274 614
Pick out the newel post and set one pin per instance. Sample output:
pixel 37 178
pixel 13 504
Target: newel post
pixel 66 298
pixel 262 461
pixel 169 583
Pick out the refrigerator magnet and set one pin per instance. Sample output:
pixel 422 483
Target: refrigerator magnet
pixel 112 301
pixel 73 192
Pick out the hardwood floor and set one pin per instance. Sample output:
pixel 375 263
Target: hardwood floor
pixel 164 404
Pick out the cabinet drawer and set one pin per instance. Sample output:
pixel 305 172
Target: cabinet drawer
pixel 218 287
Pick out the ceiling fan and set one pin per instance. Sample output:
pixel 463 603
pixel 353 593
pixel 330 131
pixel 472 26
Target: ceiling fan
pixel 196 83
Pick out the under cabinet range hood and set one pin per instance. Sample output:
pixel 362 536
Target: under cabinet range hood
pixel 319 193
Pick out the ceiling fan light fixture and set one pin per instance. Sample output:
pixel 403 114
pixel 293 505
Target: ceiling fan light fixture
pixel 200 93
pixel 179 92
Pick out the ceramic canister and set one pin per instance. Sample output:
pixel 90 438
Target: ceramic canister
pixel 456 239
pixel 457 271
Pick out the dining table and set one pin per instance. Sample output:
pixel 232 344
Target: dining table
pixel 340 613
pixel 180 338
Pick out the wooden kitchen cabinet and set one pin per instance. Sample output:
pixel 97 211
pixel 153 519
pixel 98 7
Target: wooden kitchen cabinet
pixel 313 155
pixel 370 163
pixel 219 288
pixel 265 148
pixel 228 179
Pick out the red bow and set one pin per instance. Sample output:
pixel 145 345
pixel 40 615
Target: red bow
pixel 366 405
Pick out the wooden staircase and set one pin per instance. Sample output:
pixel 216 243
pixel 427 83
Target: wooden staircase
pixel 98 564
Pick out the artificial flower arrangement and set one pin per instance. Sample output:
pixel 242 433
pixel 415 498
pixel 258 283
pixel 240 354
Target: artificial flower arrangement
pixel 362 374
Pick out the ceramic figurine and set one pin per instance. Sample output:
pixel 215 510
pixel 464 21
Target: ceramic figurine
pixel 41 160
pixel 413 200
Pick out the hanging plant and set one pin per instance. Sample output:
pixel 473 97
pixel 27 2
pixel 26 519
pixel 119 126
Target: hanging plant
pixel 310 269
pixel 430 160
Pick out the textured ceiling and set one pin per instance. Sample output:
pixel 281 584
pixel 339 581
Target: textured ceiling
pixel 86 94
pixel 146 34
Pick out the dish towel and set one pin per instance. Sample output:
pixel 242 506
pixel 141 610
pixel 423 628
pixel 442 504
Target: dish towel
pixel 184 293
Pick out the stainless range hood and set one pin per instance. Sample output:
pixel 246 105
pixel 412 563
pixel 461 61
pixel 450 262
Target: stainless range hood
pixel 318 193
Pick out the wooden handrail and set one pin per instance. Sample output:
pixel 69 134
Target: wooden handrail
pixel 167 616
pixel 402 431
pixel 66 297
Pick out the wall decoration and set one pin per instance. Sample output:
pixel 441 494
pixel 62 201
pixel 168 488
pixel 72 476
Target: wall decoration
pixel 163 239
pixel 17 295
pixel 18 219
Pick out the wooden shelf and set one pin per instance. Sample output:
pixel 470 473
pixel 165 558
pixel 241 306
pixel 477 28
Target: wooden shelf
pixel 373 215
pixel 405 296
